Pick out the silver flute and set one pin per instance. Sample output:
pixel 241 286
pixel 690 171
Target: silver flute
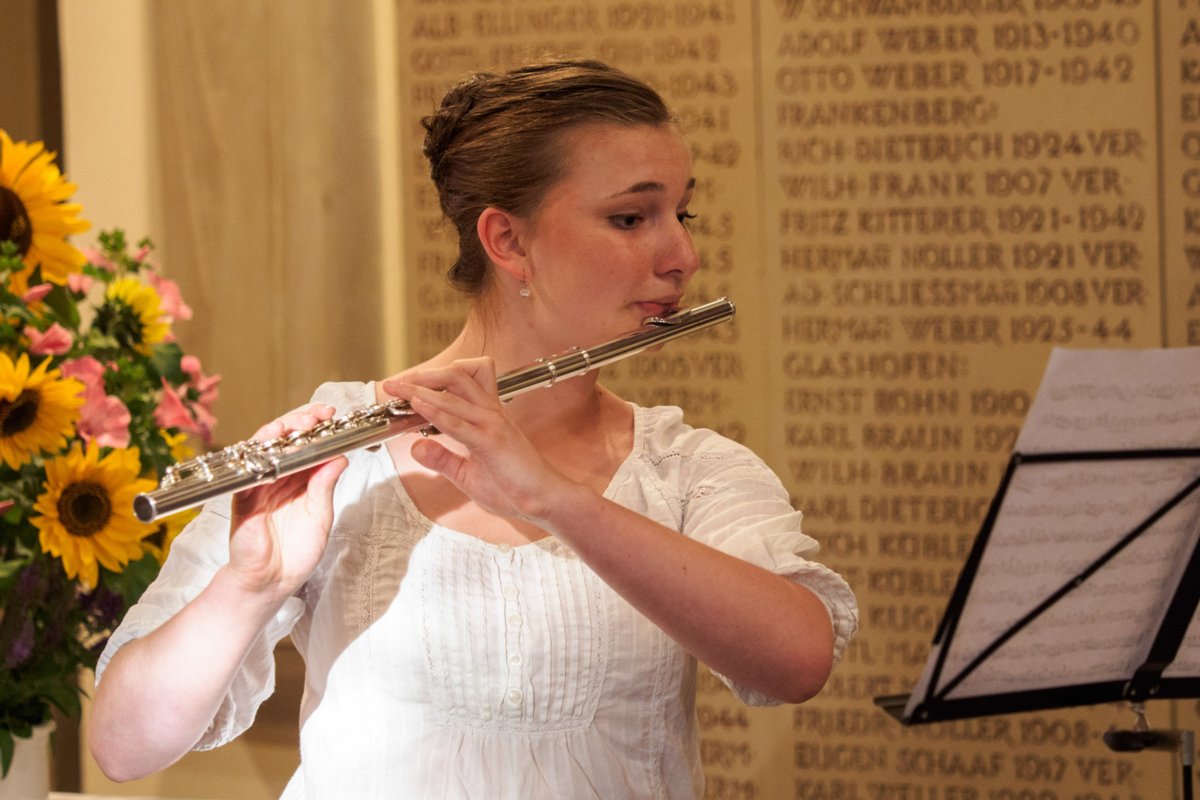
pixel 252 462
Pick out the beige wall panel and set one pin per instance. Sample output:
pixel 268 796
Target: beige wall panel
pixel 1180 118
pixel 952 193
pixel 271 196
pixel 269 185
pixel 21 92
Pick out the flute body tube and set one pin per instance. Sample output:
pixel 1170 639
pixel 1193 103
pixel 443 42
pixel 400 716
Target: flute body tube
pixel 251 463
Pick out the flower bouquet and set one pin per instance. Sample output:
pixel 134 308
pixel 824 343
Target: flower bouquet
pixel 96 400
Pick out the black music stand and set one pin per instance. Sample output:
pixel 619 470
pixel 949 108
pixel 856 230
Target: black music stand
pixel 1083 582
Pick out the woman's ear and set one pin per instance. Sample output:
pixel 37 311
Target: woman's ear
pixel 501 235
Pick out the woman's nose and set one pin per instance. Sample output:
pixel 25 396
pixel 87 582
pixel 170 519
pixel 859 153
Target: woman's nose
pixel 681 255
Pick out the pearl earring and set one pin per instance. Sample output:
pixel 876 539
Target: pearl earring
pixel 525 290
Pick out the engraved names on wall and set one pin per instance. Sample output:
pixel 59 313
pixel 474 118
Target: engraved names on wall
pixel 912 203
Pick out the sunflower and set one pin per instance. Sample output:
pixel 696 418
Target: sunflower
pixel 38 409
pixel 133 315
pixel 34 213
pixel 86 513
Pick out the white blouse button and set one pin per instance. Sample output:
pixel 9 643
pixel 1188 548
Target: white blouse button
pixel 514 620
pixel 510 591
pixel 515 696
pixel 515 659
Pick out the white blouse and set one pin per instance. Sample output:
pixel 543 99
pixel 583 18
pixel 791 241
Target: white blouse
pixel 442 666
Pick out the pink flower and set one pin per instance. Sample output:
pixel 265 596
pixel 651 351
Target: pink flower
pixel 5 505
pixel 97 258
pixel 189 408
pixel 54 341
pixel 204 385
pixel 87 370
pixel 140 255
pixel 103 419
pixel 171 300
pixel 173 413
pixel 36 293
pixel 79 282
pixel 206 422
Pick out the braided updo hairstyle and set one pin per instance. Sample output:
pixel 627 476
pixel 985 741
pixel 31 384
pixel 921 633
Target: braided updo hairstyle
pixel 497 140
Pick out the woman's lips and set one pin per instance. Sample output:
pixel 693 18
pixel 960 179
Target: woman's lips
pixel 657 308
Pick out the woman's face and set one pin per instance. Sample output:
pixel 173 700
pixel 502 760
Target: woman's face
pixel 609 246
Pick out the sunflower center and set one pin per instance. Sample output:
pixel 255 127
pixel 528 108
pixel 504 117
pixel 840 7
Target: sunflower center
pixel 120 322
pixel 17 415
pixel 14 220
pixel 84 508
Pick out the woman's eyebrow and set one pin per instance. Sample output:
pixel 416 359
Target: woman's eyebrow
pixel 650 186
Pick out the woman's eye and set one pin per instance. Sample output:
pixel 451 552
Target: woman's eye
pixel 684 217
pixel 625 221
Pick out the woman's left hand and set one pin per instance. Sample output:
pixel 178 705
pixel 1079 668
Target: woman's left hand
pixel 756 628
pixel 501 471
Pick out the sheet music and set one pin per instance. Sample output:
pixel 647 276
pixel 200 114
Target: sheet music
pixel 1058 518
pixel 1098 631
pixel 1115 400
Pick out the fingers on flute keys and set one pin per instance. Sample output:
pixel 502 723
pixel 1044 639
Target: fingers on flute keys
pixel 471 380
pixel 300 419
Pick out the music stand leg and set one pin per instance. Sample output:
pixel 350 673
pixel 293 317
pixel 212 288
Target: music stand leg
pixel 1187 755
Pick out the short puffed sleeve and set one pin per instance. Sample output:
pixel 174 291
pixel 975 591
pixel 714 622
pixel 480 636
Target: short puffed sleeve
pixel 732 501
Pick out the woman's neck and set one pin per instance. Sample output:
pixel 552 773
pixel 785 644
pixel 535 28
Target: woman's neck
pixel 574 403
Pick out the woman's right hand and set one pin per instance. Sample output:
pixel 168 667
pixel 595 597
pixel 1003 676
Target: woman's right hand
pixel 280 529
pixel 277 536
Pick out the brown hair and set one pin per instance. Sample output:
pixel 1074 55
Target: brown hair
pixel 496 141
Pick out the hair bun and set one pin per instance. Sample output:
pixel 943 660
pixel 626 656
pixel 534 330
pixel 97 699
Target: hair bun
pixel 444 125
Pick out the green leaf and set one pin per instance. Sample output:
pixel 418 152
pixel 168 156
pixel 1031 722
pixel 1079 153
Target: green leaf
pixel 113 241
pixel 99 342
pixel 65 698
pixel 63 305
pixel 8 572
pixel 133 580
pixel 6 750
pixel 167 358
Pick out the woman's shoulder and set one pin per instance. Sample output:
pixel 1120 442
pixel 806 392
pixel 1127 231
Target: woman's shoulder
pixel 685 462
pixel 664 434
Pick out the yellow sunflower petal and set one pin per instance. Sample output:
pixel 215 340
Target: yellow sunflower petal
pixel 143 302
pixel 38 410
pixel 28 174
pixel 85 515
pixel 177 443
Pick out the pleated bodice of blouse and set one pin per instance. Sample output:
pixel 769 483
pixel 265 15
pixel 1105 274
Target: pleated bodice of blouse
pixel 439 665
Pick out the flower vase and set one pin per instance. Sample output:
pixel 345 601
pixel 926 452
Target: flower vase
pixel 28 777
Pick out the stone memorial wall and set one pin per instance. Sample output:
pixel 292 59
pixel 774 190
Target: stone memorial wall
pixel 911 202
